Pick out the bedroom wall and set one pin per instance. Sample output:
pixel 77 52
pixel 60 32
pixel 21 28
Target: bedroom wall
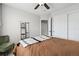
pixel 66 23
pixel 11 22
pixel 0 18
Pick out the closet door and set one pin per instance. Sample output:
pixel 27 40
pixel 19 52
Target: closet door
pixel 74 26
pixel 60 26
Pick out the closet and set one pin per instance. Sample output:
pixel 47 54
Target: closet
pixel 74 26
pixel 66 25
pixel 60 26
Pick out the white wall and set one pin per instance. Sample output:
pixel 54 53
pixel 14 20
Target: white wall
pixel 0 18
pixel 44 16
pixel 11 22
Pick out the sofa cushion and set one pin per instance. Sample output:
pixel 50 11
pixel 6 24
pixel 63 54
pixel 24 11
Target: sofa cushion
pixel 6 46
pixel 4 39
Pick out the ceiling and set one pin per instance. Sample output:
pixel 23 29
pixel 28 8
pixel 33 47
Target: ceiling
pixel 29 7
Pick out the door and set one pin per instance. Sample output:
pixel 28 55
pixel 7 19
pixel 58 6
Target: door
pixel 60 26
pixel 74 26
pixel 44 27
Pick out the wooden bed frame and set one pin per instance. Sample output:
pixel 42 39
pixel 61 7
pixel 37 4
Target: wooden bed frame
pixel 50 47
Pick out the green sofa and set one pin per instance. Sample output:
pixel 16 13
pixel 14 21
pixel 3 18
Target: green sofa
pixel 5 45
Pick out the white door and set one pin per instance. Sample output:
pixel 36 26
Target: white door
pixel 60 26
pixel 74 26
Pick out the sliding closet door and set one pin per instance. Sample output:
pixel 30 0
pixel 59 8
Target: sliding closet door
pixel 74 26
pixel 60 26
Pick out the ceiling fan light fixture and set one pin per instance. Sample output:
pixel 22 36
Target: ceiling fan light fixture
pixel 46 6
pixel 41 4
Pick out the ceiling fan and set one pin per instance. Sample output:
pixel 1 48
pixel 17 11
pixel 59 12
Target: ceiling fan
pixel 44 4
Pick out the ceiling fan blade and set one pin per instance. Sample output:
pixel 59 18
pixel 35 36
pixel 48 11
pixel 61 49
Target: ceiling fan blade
pixel 46 6
pixel 37 6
